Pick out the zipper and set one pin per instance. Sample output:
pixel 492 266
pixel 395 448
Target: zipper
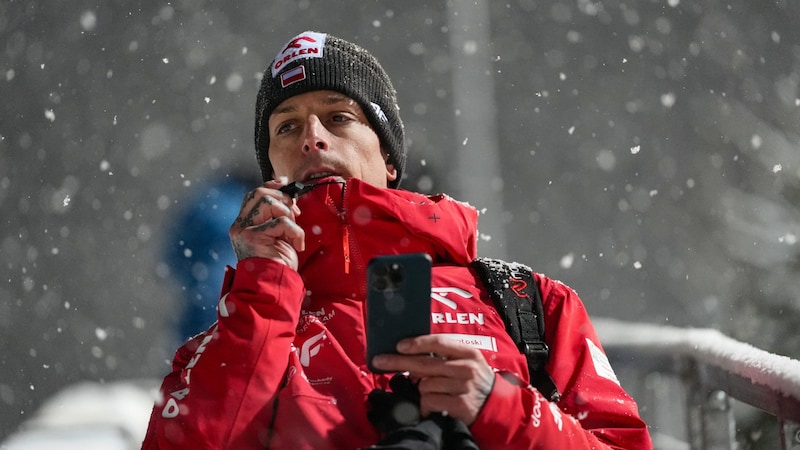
pixel 342 213
pixel 345 230
pixel 346 247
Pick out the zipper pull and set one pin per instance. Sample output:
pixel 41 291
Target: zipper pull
pixel 346 247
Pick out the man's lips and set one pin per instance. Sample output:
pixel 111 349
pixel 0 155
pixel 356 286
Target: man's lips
pixel 316 177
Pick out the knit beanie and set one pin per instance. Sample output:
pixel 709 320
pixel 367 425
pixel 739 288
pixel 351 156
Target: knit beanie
pixel 313 61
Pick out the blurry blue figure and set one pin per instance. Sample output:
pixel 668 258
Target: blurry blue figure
pixel 198 248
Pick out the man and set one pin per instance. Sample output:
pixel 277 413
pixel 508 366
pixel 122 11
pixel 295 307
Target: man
pixel 284 366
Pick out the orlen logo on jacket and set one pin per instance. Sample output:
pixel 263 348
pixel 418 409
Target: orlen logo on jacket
pixel 441 295
pixel 306 45
pixel 311 347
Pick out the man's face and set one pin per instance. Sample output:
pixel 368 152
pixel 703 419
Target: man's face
pixel 325 133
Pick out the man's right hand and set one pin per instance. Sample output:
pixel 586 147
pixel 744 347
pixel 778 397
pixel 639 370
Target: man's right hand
pixel 266 227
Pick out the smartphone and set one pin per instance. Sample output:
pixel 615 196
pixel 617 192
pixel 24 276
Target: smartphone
pixel 398 301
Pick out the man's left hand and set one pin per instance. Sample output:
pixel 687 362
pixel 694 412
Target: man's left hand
pixel 455 381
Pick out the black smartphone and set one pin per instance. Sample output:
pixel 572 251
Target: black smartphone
pixel 398 301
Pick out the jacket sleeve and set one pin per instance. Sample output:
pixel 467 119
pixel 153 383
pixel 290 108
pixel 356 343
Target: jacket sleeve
pixel 594 412
pixel 223 382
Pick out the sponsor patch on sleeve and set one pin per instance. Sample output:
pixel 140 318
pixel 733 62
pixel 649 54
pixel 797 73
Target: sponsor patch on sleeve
pixel 601 364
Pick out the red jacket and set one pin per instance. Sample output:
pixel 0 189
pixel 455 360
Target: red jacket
pixel 284 366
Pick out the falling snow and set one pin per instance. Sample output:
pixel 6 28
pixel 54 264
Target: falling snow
pixel 109 131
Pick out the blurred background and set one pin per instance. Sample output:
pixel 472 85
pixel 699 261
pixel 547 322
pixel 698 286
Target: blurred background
pixel 645 153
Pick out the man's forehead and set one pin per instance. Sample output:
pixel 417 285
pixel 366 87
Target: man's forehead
pixel 314 97
pixel 330 97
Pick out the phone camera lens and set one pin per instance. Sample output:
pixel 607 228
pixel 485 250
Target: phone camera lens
pixel 381 283
pixel 396 278
pixel 388 277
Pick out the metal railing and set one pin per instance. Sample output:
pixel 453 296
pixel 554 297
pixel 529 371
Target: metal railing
pixel 691 385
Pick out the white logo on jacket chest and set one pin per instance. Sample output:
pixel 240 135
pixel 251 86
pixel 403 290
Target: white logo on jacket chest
pixel 461 318
pixel 311 347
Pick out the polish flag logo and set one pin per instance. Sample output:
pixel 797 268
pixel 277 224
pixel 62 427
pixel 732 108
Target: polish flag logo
pixel 293 76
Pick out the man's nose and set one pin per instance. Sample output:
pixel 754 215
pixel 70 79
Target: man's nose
pixel 316 135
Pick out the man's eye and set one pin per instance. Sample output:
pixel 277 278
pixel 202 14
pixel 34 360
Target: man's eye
pixel 284 128
pixel 340 118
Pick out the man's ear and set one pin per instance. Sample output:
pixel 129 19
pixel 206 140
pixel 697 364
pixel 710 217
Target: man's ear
pixel 391 172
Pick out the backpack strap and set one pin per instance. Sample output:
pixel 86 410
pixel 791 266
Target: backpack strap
pixel 518 301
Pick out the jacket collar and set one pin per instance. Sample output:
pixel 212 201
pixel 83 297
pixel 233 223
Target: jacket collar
pixel 354 221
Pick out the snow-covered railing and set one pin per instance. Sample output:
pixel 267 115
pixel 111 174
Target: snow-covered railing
pixel 684 378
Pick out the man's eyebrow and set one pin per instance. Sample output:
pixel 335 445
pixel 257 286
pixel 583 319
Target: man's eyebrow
pixel 332 99
pixel 284 109
pixel 336 98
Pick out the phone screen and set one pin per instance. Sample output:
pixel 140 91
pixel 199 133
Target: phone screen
pixel 398 301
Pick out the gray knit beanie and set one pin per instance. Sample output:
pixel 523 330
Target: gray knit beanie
pixel 314 61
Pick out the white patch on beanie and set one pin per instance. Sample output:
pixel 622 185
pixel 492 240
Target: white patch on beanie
pixel 379 112
pixel 305 45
